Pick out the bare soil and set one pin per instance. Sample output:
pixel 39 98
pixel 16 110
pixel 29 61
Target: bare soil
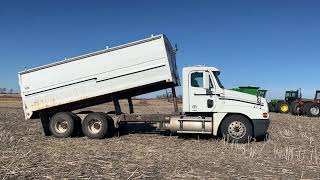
pixel 293 152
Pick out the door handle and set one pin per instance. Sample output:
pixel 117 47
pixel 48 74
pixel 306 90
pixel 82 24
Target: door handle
pixel 209 103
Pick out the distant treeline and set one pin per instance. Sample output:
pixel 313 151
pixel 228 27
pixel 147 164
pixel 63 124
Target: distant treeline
pixel 167 96
pixel 7 91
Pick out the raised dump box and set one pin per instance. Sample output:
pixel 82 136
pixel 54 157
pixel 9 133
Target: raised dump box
pixel 120 72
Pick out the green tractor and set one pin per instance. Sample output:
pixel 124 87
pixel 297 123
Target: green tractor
pixel 251 90
pixel 283 106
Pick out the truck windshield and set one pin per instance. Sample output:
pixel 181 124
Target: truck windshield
pixel 216 75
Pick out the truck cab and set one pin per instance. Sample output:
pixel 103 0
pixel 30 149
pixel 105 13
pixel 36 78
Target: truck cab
pixel 235 115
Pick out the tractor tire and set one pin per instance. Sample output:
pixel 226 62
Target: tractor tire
pixel 312 110
pixel 62 124
pixel 97 126
pixel 295 108
pixel 271 107
pixel 305 107
pixel 236 128
pixel 282 107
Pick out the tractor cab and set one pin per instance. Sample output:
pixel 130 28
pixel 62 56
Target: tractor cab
pixel 292 96
pixel 263 93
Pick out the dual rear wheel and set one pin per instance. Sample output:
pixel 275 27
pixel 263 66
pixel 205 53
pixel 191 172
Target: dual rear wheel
pixel 94 125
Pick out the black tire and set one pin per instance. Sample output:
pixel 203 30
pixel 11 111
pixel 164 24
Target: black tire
pixel 111 129
pixel 295 108
pixel 96 126
pixel 271 107
pixel 77 126
pixel 62 124
pixel 312 110
pixel 305 107
pixel 236 128
pixel 282 107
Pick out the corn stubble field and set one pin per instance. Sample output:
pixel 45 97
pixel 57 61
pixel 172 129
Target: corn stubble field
pixel 292 152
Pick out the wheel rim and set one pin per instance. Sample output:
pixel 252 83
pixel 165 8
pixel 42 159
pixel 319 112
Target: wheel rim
pixel 61 126
pixel 94 126
pixel 284 108
pixel 314 110
pixel 237 129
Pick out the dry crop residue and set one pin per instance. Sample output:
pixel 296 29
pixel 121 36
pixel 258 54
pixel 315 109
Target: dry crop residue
pixel 292 152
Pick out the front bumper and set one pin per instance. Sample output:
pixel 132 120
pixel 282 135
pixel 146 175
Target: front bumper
pixel 260 126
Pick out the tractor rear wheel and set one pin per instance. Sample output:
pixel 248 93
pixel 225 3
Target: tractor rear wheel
pixel 313 110
pixel 282 107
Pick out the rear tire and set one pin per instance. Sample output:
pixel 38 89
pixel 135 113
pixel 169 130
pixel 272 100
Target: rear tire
pixel 313 110
pixel 295 108
pixel 62 124
pixel 77 126
pixel 96 125
pixel 271 107
pixel 236 128
pixel 282 107
pixel 305 108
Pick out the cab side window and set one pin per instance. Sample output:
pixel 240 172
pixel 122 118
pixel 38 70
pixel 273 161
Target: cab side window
pixel 197 79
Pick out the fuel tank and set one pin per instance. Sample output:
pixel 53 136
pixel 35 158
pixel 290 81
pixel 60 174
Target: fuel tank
pixel 191 124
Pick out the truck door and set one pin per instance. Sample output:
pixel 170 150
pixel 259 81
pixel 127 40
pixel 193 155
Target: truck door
pixel 201 99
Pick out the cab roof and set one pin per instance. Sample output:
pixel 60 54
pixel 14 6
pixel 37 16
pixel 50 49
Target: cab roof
pixel 201 67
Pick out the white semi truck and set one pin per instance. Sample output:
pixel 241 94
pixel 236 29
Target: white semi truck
pixel 53 92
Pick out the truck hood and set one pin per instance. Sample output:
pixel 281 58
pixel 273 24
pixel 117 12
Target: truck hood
pixel 243 97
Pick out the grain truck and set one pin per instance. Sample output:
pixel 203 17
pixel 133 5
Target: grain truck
pixel 53 92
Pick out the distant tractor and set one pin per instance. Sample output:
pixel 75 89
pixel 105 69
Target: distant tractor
pixel 307 107
pixel 251 90
pixel 283 106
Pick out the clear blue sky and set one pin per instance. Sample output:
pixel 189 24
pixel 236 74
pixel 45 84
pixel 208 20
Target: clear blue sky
pixel 272 44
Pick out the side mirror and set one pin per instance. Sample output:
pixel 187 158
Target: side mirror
pixel 206 80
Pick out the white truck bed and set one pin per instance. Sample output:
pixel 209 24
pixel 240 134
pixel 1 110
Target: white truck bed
pixel 131 69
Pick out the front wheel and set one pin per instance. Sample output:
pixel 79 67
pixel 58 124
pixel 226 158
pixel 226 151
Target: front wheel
pixel 282 107
pixel 236 128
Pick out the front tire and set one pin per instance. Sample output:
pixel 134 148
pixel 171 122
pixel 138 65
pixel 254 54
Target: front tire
pixel 236 128
pixel 62 124
pixel 282 107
